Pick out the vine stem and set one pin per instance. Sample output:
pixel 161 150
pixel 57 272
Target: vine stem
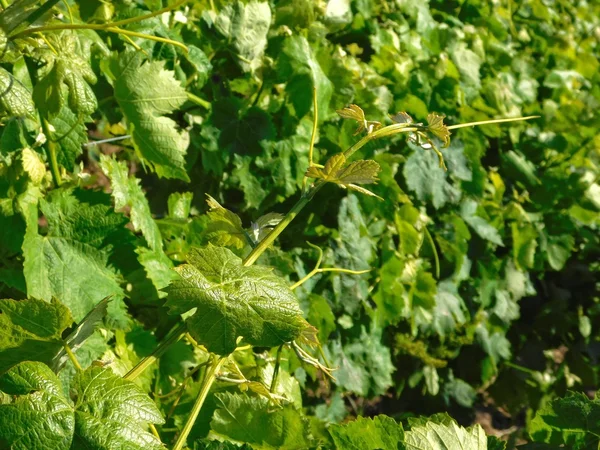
pixel 270 238
pixel 157 353
pixel 54 167
pixel 300 204
pixel 276 370
pixel 101 27
pixel 72 357
pixel 317 269
pixel 209 378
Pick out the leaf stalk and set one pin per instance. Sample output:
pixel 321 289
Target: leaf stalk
pixel 209 379
pixel 157 353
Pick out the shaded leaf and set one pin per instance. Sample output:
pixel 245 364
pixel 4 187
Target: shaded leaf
pixel 30 330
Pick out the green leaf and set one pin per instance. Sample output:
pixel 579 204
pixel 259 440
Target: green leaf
pixel 355 112
pixel 336 171
pixel 572 421
pixel 147 93
pixel 354 249
pixel 380 432
pixel 41 419
pixel 128 193
pixel 524 244
pixel 559 249
pixel 428 180
pixel 31 330
pixel 81 333
pixel 69 77
pixel 433 436
pixel 180 204
pixel 71 261
pixel 224 227
pixel 364 366
pixel 481 226
pixel 233 300
pixel 245 27
pixel 69 133
pixel 298 67
pixel 436 126
pixel 16 99
pixel 468 64
pixel 158 267
pixel 450 309
pixel 252 420
pixel 104 411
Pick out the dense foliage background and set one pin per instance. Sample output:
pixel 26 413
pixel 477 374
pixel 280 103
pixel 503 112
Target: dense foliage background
pixel 482 298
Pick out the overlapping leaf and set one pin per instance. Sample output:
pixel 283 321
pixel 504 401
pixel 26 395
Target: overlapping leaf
pixel 146 93
pixel 347 176
pixel 104 411
pixel 234 301
pixel 30 330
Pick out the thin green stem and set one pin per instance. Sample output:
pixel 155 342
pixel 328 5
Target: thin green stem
pixel 172 7
pixel 101 27
pixel 154 431
pixel 317 269
pixel 72 357
pixel 52 152
pixel 209 378
pixel 390 130
pixel 491 121
pixel 314 129
pixel 4 4
pixel 157 353
pixel 270 238
pixel 313 136
pixel 147 36
pixel 199 101
pixel 436 257
pixel 50 3
pixel 66 3
pixel 276 370
pixel 41 11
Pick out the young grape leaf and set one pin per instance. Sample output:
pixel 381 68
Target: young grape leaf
pixel 128 193
pixel 31 330
pixel 15 99
pixel 438 129
pixel 245 27
pixel 224 227
pixel 146 93
pixel 355 112
pixel 253 420
pixel 33 165
pixel 380 432
pixel 104 411
pixel 434 436
pixel 69 67
pixel 357 172
pixel 233 300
